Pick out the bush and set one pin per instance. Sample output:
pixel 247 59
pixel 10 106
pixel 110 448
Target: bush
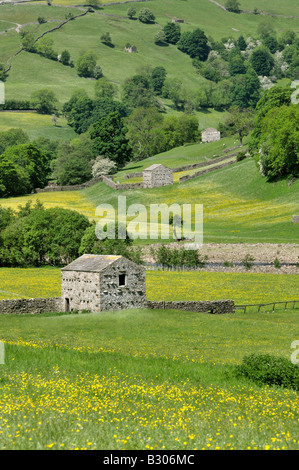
pixel 248 261
pixel 179 257
pixel 277 264
pixel 270 370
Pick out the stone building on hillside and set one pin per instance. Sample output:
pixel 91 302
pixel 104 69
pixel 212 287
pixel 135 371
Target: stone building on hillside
pixel 210 135
pixel 157 175
pixel 102 282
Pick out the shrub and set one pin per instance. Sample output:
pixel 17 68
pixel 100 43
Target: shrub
pixel 270 370
pixel 248 261
pixel 277 264
pixel 241 156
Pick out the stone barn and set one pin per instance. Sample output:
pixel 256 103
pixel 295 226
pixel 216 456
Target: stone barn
pixel 157 175
pixel 102 282
pixel 210 135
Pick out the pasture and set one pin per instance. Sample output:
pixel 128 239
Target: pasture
pixel 163 285
pixel 143 380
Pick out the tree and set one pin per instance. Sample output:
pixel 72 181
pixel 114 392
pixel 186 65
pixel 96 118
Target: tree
pixel 137 92
pixel 33 160
pixel 86 64
pixel 65 57
pixel 14 180
pixel 45 236
pixel 109 139
pixel 104 89
pixel 146 16
pixel 141 125
pixel 233 6
pixel 106 39
pixel 278 155
pixel 242 45
pixel 78 111
pixel 102 166
pixel 44 101
pixel 195 44
pixel 172 32
pixel 131 12
pixel 160 38
pixel 12 137
pixel 241 121
pixel 28 42
pixel 158 78
pixel 262 61
pixel 45 48
pixel 74 161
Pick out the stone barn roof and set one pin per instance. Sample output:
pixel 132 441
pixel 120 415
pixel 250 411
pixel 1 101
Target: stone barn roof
pixel 156 166
pixel 92 263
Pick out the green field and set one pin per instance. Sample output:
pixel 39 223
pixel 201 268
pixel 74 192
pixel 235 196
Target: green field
pixel 239 206
pixel 36 125
pixel 143 380
pixel 246 288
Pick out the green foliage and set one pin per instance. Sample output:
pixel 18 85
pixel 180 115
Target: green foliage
pixel 233 6
pixel 14 180
pixel 262 61
pixel 270 370
pixel 279 142
pixel 195 44
pixel 73 163
pixel 86 64
pixel 31 160
pixel 12 137
pixel 65 57
pixel 137 92
pixel 172 32
pixel 44 236
pixel 109 138
pixel 146 16
pixel 248 261
pixel 178 257
pixel 131 12
pixel 106 39
pixel 44 101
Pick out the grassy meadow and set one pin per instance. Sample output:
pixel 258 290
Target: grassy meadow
pixel 164 285
pixel 36 125
pixel 143 380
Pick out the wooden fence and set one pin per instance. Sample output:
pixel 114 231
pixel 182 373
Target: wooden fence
pixel 244 307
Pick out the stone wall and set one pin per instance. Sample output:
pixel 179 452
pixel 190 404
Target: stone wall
pixel 295 219
pixel 207 170
pixel 41 305
pixel 215 307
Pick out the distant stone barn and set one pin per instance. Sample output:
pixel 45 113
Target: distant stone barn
pixel 98 282
pixel 210 135
pixel 157 175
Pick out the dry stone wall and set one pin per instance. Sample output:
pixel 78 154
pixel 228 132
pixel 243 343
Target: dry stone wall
pixel 41 305
pixel 215 307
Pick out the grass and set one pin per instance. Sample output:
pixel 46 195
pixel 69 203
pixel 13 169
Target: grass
pixel 239 206
pixel 36 125
pixel 241 287
pixel 143 380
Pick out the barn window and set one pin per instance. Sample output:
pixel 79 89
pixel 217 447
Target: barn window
pixel 122 280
